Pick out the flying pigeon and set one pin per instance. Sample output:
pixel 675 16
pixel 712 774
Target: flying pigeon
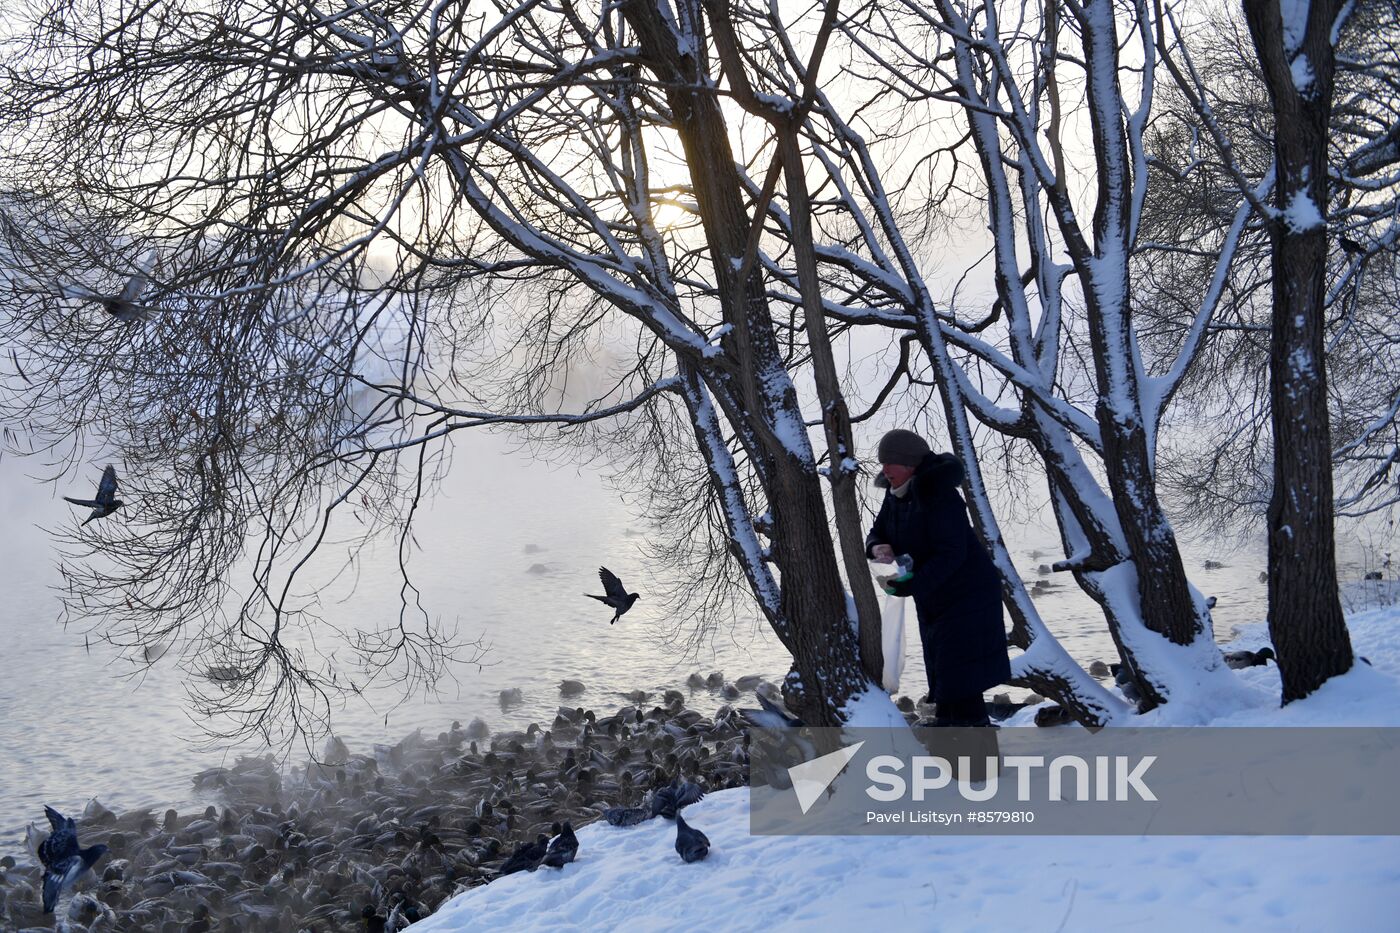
pixel 563 849
pixel 122 305
pixel 106 501
pixel 618 597
pixel 667 801
pixel 691 844
pixel 771 716
pixel 63 861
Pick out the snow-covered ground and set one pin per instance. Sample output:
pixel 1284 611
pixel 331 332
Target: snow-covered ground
pixel 632 878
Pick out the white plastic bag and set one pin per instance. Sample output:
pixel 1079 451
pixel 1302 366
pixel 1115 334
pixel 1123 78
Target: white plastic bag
pixel 892 640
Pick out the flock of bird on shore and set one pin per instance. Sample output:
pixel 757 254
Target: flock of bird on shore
pixel 375 842
pixel 378 841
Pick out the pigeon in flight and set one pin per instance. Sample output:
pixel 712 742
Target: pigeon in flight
pixel 63 861
pixel 618 597
pixel 106 501
pixel 122 305
pixel 691 844
pixel 667 801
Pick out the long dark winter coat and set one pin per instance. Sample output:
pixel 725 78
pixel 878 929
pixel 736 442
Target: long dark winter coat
pixel 957 590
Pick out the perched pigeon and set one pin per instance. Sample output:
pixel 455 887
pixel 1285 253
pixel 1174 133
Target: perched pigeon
pixel 63 861
pixel 1239 659
pixel 563 849
pixel 122 305
pixel 679 795
pixel 618 597
pixel 106 501
pixel 691 844
pixel 1124 679
pixel 626 816
pixel 527 857
pixel 1351 246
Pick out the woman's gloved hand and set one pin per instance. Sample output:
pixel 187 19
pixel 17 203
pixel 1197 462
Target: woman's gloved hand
pixel 900 588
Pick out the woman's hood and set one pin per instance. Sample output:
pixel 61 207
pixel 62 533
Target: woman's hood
pixel 939 471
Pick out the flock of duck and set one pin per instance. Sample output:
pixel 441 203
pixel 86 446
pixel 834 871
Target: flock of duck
pixel 376 841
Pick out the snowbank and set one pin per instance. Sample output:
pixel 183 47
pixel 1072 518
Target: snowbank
pixel 632 878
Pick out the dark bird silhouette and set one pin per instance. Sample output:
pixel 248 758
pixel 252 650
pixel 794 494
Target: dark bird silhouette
pixel 771 716
pixel 780 741
pixel 1053 716
pixel 374 923
pixel 106 501
pixel 1351 246
pixel 1239 659
pixel 618 597
pixel 1124 679
pixel 691 844
pixel 563 848
pixel 123 305
pixel 63 861
pixel 997 709
pixel 626 816
pixel 679 795
pixel 527 857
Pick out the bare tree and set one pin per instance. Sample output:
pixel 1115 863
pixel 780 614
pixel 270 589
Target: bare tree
pixel 1331 301
pixel 1220 469
pixel 1305 611
pixel 1054 361
pixel 412 217
pixel 262 152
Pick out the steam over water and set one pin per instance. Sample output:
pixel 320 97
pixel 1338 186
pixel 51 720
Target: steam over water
pixel 509 549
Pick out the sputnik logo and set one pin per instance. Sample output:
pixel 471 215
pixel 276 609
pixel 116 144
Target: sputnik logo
pixel 811 778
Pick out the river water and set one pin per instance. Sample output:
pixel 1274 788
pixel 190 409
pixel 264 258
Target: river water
pixel 507 550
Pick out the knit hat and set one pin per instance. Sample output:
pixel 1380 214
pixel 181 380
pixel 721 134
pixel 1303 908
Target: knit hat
pixel 903 447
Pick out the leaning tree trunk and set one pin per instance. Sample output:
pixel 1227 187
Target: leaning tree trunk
pixel 1164 594
pixel 1130 524
pixel 1305 613
pixel 813 600
pixel 836 418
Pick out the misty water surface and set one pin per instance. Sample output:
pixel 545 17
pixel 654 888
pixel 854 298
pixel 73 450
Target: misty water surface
pixel 509 547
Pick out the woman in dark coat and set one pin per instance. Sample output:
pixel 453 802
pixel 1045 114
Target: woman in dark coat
pixel 956 587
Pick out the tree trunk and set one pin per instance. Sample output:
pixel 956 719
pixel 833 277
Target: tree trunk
pixel 812 601
pixel 1305 613
pixel 836 418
